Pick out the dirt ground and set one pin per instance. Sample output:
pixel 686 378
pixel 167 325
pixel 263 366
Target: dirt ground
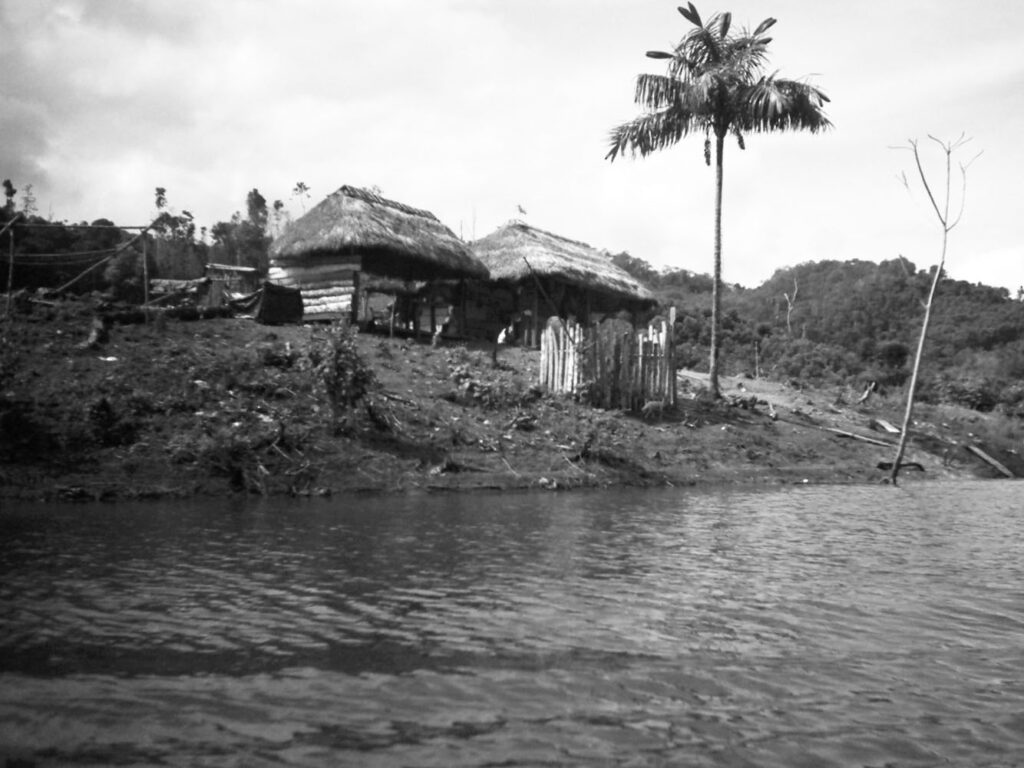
pixel 225 406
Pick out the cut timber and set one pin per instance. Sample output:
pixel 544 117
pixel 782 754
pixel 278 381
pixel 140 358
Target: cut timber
pixel 881 425
pixel 1001 468
pixel 867 393
pixel 855 436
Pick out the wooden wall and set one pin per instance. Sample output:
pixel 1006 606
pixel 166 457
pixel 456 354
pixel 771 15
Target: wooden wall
pixel 328 284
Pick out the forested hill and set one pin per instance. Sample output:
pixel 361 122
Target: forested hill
pixel 858 304
pixel 855 321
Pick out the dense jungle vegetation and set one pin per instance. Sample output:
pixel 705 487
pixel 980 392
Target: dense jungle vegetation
pixel 855 322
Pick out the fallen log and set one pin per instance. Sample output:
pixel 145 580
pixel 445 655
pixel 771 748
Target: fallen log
pixel 881 425
pixel 998 466
pixel 855 436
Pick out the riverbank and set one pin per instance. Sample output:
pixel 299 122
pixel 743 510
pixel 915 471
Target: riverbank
pixel 224 406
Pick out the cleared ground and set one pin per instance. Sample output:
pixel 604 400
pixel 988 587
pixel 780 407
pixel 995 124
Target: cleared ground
pixel 229 406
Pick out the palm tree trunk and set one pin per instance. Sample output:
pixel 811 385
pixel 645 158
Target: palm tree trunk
pixel 716 284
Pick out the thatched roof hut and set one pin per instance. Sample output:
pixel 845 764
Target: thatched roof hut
pixel 537 274
pixel 395 240
pixel 517 251
pixel 355 231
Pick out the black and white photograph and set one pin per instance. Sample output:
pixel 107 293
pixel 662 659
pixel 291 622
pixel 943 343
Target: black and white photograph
pixel 474 383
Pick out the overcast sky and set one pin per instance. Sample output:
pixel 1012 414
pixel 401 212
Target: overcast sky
pixel 472 108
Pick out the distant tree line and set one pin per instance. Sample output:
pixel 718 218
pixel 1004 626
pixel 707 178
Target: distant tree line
pixel 853 322
pixel 49 254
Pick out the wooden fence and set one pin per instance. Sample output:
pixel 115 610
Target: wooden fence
pixel 611 365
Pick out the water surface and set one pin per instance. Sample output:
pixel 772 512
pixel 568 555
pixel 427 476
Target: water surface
pixel 854 626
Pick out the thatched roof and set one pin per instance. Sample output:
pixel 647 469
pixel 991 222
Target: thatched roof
pixel 394 239
pixel 507 250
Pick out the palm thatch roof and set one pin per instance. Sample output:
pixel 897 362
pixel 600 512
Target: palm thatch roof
pixel 394 239
pixel 513 250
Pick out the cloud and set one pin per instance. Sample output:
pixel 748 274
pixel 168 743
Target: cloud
pixel 143 18
pixel 470 107
pixel 91 84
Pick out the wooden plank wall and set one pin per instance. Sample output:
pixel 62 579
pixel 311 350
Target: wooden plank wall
pixel 328 284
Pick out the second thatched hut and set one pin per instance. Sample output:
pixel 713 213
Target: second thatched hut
pixel 352 239
pixel 536 275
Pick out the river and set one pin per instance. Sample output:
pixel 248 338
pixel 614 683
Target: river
pixel 808 626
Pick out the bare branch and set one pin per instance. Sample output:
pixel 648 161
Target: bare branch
pixel 903 263
pixel 924 182
pixel 790 301
pixel 963 188
pixel 963 197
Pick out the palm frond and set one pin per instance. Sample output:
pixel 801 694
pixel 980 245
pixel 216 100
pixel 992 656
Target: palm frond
pixel 704 46
pixel 775 104
pixel 691 15
pixel 657 91
pixel 723 25
pixel 698 94
pixel 652 132
pixel 715 83
pixel 748 54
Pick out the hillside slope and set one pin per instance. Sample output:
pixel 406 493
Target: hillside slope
pixel 225 406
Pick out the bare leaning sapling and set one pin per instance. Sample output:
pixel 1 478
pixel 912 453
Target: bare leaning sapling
pixel 948 222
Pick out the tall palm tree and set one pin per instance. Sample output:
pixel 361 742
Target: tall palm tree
pixel 715 85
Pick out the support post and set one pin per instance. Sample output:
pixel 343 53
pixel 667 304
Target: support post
pixel 145 276
pixel 670 355
pixel 10 272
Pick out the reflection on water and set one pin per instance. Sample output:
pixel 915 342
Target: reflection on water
pixel 813 626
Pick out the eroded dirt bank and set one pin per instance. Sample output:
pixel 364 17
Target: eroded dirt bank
pixel 223 406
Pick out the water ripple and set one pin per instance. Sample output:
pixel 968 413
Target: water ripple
pixel 806 627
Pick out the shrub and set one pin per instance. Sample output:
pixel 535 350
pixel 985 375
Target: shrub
pixel 1011 400
pixel 472 390
pixel 109 428
pixel 809 362
pixel 892 354
pixel 341 371
pixel 972 392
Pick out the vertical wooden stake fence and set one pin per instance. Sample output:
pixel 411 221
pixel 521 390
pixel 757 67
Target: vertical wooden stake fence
pixel 618 368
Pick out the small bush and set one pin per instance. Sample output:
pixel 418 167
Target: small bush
pixel 232 453
pixel 808 362
pixel 976 393
pixel 21 434
pixel 1011 400
pixel 341 371
pixel 110 428
pixel 280 356
pixel 472 390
